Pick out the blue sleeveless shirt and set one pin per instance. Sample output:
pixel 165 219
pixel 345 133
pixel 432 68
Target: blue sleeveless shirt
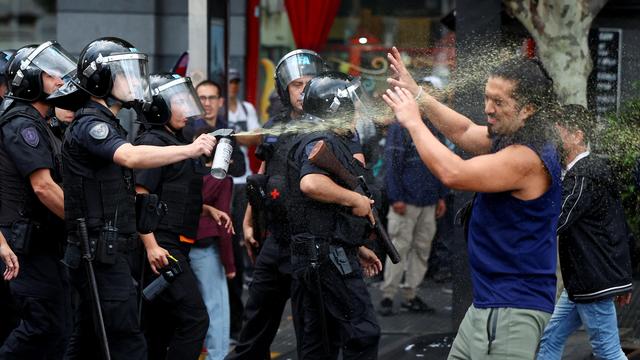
pixel 512 244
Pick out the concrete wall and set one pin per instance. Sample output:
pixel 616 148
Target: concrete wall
pixel 156 27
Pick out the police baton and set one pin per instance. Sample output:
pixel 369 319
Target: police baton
pixel 322 157
pixel 93 285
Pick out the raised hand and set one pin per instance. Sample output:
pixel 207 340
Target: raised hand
pixel 404 106
pixel 400 76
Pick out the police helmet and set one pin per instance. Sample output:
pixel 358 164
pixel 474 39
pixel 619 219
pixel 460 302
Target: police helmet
pixel 172 94
pixel 25 68
pixel 5 55
pixel 294 65
pixel 112 67
pixel 331 95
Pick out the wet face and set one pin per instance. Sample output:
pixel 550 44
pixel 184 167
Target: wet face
pixel 179 104
pixel 572 139
pixel 211 101
pixel 51 83
pixel 295 89
pixel 504 115
pixel 122 89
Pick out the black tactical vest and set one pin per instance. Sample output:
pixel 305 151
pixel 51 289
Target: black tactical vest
pixel 17 199
pixel 329 221
pixel 100 191
pixel 276 170
pixel 181 189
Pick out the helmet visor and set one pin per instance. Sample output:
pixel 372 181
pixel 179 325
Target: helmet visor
pixel 366 111
pixel 297 65
pixel 51 58
pixel 181 97
pixel 130 77
pixel 351 108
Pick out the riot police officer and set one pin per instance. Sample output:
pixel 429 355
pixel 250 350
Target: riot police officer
pixel 31 203
pixel 179 186
pixel 270 288
pixel 100 188
pixel 327 232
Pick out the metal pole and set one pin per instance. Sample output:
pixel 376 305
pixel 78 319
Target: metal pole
pixel 226 56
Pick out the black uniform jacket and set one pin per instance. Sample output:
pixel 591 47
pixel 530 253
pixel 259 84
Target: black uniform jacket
pixel 593 235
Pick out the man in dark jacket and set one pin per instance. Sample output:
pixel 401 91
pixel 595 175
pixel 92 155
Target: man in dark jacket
pixel 593 246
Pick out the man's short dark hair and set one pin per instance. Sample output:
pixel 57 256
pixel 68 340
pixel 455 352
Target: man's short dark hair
pixel 575 117
pixel 210 83
pixel 533 85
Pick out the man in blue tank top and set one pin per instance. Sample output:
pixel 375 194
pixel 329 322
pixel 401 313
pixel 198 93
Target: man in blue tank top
pixel 513 218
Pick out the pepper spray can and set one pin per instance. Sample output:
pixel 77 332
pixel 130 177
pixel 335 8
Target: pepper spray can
pixel 221 159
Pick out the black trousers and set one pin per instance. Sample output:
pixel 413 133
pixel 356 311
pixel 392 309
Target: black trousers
pixel 335 312
pixel 41 294
pixel 176 322
pixel 268 295
pixel 118 300
pixel 235 285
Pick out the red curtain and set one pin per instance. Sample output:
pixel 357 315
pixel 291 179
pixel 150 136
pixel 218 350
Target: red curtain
pixel 311 21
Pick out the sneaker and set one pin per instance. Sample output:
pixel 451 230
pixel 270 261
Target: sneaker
pixel 416 305
pixel 386 307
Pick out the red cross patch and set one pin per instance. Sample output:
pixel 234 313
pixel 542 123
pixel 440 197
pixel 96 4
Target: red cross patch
pixel 275 194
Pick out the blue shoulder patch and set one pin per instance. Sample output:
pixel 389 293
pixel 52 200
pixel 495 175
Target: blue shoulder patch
pixel 30 136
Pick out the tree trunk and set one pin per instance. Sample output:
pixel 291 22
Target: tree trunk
pixel 569 65
pixel 561 30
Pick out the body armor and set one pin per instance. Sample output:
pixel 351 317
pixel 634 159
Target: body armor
pixel 180 189
pixel 98 190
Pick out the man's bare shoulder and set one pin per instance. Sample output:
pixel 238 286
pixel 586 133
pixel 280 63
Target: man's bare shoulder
pixel 535 179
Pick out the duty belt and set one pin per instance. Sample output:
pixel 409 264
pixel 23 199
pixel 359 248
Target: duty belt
pixel 311 249
pixel 125 242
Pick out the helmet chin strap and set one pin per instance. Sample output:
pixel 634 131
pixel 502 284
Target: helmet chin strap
pixel 171 128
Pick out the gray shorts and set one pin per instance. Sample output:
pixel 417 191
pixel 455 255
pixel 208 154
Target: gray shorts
pixel 499 333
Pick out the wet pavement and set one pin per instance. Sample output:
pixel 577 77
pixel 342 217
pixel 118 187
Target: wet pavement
pixel 416 336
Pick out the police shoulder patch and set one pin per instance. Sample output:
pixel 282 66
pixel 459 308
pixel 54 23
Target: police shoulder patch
pixel 99 131
pixel 30 136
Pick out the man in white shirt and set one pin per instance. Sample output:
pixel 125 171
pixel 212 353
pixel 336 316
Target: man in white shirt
pixel 242 117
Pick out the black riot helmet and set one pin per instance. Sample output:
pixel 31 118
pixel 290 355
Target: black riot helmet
pixel 294 65
pixel 25 68
pixel 331 95
pixel 172 94
pixel 113 68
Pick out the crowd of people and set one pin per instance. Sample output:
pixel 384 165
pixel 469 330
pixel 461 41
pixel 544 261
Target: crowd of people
pixel 117 246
